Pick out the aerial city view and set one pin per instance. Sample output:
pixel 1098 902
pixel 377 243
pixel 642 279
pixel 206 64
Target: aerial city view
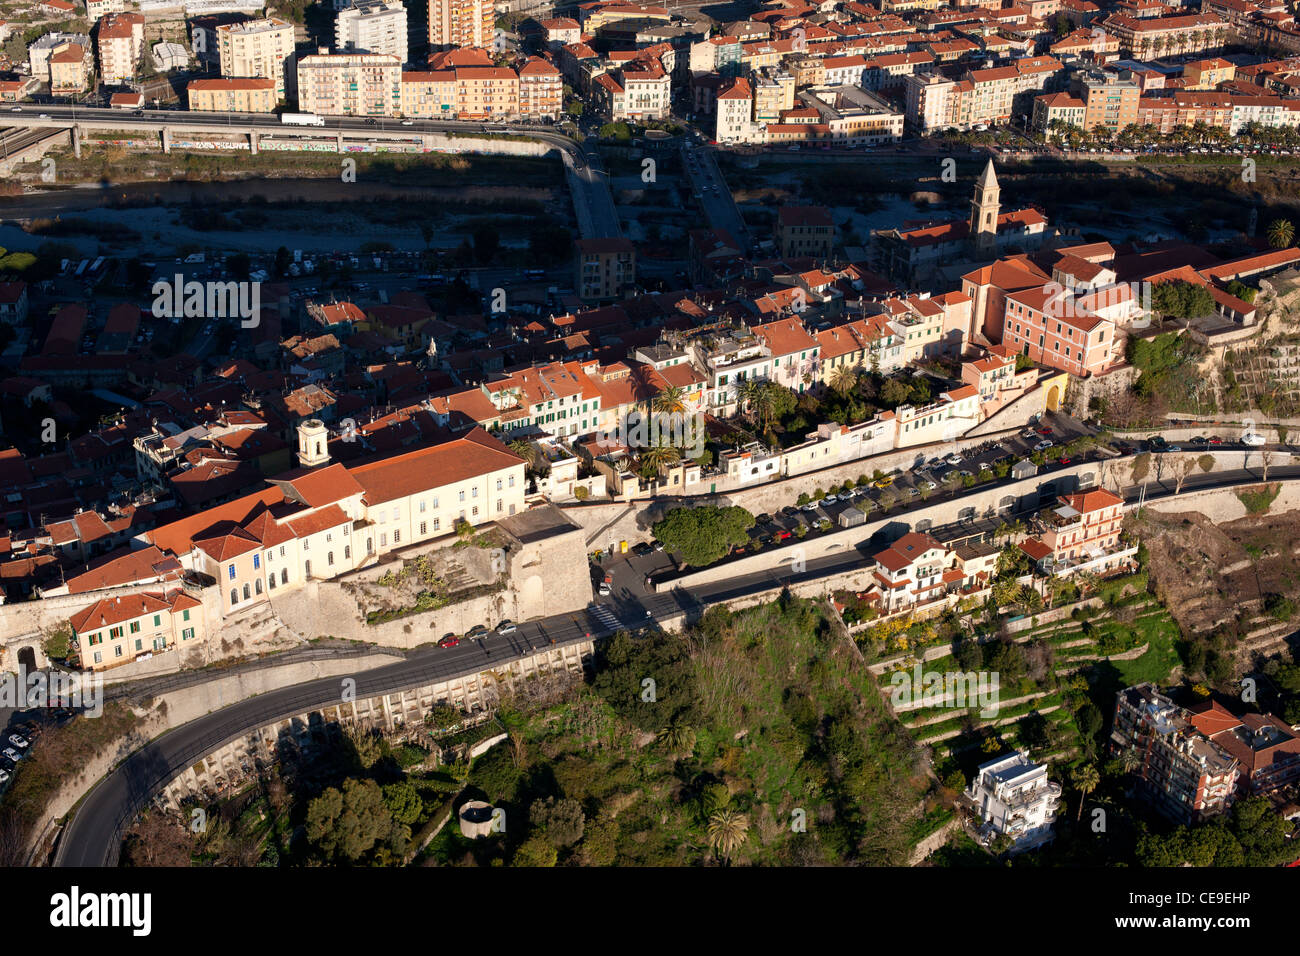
pixel 762 433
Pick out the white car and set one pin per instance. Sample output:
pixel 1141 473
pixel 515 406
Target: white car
pixel 1253 439
pixel 506 627
pixel 604 590
pixel 1043 445
pixel 4 776
pixel 19 741
pixel 408 122
pixel 954 460
pixel 13 754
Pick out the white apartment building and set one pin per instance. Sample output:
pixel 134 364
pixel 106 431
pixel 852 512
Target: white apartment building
pixel 350 84
pixel 98 8
pixel 372 26
pixel 734 121
pixel 40 51
pixel 1014 797
pixel 119 42
pixel 256 48
pixel 461 23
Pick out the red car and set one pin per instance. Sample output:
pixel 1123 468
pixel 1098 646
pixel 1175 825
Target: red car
pixel 449 640
pixel 1044 430
pixel 782 535
pixel 1216 440
pixel 1064 460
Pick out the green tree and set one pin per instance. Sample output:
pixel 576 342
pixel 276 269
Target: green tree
pixel 537 850
pixel 727 831
pixel 346 825
pixel 1085 779
pixel 403 802
pixel 1281 232
pixel 703 535
pixel 562 820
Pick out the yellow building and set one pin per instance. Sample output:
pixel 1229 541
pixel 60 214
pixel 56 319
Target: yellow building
pixel 117 630
pixel 233 95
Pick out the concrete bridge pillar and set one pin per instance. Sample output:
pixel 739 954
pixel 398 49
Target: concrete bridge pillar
pixel 166 140
pixel 338 142
pixel 75 133
pixel 252 141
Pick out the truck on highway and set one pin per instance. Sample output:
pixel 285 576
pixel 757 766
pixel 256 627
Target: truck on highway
pixel 302 119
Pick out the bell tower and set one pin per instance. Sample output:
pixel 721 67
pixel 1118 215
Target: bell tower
pixel 313 443
pixel 984 208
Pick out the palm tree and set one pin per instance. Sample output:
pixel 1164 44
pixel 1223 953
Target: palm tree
pixel 1280 233
pixel 728 829
pixel 678 737
pixel 658 456
pixel 525 450
pixel 671 401
pixel 1085 780
pixel 1130 760
pixel 843 379
pixel 764 401
pixel 746 392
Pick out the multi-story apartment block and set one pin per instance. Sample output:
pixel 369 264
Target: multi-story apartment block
pixel 727 357
pixel 853 116
pixel 795 352
pixel 541 89
pixel 71 67
pixel 350 84
pixel 641 90
pixel 461 23
pixel 773 94
pixel 869 343
pixel 256 48
pixel 234 95
pixel 119 40
pixel 1110 102
pixel 118 630
pixel 1196 761
pixel 954 413
pixel 733 120
pixel 804 231
pixel 372 26
pixel 1082 533
pixel 1014 798
pixel 1152 37
pixel 1054 328
pixel 603 268
pixel 562 399
pixel 1187 775
pixel 40 50
pixel 98 8
pixel 429 95
pixel 487 92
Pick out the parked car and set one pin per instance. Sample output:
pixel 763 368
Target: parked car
pixel 1253 439
pixel 506 627
pixel 884 482
pixel 18 741
pixel 604 590
pixel 928 485
pixel 830 500
pixel 810 506
pixel 782 535
pixel 789 511
pixel 478 630
pixel 13 754
pixel 4 776
pixel 1043 446
pixel 449 640
pixel 764 518
pixel 642 549
pixel 954 459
